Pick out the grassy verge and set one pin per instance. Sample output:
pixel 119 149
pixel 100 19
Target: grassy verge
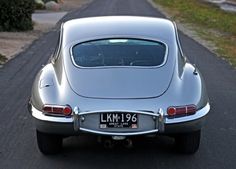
pixel 208 21
pixel 2 59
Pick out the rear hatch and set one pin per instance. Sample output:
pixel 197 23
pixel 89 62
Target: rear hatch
pixel 120 68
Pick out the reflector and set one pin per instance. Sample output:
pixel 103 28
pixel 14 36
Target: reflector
pixel 67 110
pixel 171 111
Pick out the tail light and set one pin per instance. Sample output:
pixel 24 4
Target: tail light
pixel 57 110
pixel 174 111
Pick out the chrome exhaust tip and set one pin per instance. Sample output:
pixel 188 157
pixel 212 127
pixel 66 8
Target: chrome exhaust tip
pixel 128 143
pixel 108 143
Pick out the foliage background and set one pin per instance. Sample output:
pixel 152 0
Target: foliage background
pixel 15 15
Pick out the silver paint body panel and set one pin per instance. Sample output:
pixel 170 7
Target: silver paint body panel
pixel 104 89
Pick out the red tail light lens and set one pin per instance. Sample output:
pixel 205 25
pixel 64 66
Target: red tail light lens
pixel 191 109
pixel 47 109
pixel 67 111
pixel 174 111
pixel 171 111
pixel 56 109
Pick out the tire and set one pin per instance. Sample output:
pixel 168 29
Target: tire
pixel 49 143
pixel 188 143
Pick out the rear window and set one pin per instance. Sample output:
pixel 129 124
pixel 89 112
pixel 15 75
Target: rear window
pixel 119 52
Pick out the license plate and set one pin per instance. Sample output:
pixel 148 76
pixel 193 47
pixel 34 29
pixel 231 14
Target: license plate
pixel 118 120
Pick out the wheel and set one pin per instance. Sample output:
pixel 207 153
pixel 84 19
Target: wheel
pixel 49 143
pixel 188 143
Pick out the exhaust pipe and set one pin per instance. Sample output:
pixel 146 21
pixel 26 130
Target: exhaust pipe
pixel 108 143
pixel 128 143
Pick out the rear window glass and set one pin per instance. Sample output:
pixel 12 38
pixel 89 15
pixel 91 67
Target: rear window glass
pixel 119 52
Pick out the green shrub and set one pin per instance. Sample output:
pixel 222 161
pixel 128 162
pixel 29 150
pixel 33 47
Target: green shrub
pixel 15 15
pixel 39 4
pixel 2 59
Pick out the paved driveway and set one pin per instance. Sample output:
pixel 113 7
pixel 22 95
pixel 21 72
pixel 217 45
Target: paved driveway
pixel 17 133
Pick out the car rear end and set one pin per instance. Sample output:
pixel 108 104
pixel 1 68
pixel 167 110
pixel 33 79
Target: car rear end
pixel 119 84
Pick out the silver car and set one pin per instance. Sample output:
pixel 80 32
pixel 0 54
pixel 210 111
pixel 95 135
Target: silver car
pixel 119 76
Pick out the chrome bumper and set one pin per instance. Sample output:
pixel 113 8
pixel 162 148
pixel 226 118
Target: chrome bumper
pixel 80 117
pixel 76 123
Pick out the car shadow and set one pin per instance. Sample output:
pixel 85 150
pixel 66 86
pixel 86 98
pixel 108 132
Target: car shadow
pixel 85 151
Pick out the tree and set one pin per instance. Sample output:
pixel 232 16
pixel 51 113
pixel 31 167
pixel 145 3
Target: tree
pixel 15 15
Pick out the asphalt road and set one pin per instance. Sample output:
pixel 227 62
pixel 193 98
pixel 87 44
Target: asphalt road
pixel 18 148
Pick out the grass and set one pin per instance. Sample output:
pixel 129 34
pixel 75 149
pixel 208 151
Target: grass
pixel 2 59
pixel 210 23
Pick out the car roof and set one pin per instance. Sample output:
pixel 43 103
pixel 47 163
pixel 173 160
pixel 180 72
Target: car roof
pixel 92 28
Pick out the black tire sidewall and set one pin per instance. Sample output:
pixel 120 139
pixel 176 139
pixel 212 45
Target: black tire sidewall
pixel 49 143
pixel 188 143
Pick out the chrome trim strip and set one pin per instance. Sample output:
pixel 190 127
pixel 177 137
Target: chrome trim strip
pixel 121 37
pixel 200 113
pixel 119 134
pixel 119 111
